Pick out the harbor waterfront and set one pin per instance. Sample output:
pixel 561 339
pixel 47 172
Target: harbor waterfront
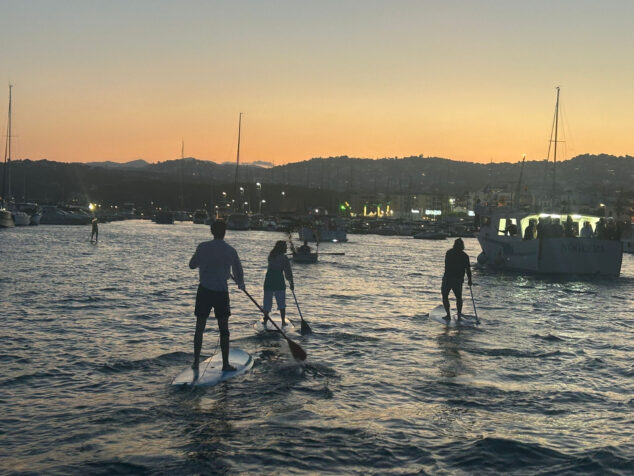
pixel 92 335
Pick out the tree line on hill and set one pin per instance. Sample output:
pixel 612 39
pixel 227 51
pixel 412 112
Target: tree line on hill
pixel 190 183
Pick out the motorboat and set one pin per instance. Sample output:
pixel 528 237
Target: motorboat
pixel 238 221
pixel 550 253
pixel 6 219
pixel 53 215
pixel 21 218
pixel 164 217
pixel 201 217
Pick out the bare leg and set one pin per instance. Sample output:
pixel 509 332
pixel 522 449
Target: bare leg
pixel 223 327
pixel 445 303
pixel 283 316
pixel 201 322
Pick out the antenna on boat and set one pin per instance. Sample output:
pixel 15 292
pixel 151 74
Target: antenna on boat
pixel 235 185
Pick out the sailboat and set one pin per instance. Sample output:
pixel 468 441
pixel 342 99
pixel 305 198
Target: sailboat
pixel 508 241
pixel 6 217
pixel 238 220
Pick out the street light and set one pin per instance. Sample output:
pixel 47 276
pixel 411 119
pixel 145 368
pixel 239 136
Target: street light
pixel 262 202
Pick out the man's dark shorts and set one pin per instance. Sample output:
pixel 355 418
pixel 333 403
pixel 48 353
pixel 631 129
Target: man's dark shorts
pixel 449 284
pixel 206 299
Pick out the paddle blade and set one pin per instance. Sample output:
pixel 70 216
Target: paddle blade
pixel 305 328
pixel 296 350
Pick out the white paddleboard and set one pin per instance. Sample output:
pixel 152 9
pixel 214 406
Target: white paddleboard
pixel 438 313
pixel 210 371
pixel 258 326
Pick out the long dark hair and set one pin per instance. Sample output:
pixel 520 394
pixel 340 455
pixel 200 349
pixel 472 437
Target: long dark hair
pixel 279 248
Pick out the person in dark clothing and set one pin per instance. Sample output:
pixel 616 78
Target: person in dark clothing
pixel 569 228
pixel 456 265
pixel 530 231
pixel 511 228
pixel 304 249
pixel 600 230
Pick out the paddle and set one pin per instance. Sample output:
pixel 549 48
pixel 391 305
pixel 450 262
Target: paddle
pixel 474 308
pixel 296 350
pixel 305 328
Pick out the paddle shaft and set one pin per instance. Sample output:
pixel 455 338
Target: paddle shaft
pixel 305 327
pixel 264 312
pixel 474 306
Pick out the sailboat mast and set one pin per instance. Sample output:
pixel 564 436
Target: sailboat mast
pixel 7 152
pixel 235 185
pixel 182 174
pixel 555 149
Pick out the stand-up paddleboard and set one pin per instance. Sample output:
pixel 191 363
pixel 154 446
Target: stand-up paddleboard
pixel 289 327
pixel 438 313
pixel 210 371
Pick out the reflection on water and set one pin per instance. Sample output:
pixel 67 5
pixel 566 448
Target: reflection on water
pixel 92 334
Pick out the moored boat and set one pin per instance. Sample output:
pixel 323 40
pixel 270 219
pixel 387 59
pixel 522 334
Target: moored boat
pixel 6 219
pixel 548 252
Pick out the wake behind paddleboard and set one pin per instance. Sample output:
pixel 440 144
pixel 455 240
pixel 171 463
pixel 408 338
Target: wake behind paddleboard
pixel 210 371
pixel 258 326
pixel 438 313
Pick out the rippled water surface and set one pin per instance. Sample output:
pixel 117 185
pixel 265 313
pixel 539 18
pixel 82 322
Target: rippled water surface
pixel 91 336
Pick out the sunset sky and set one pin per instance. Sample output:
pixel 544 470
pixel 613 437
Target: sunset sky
pixel 468 80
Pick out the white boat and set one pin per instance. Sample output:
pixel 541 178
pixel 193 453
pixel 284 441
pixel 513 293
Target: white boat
pixel 546 255
pixel 21 218
pixel 6 219
pixel 52 215
pixel 548 248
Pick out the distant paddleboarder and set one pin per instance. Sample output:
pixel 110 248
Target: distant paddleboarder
pixel 456 265
pixel 274 284
pixel 216 261
pixel 94 235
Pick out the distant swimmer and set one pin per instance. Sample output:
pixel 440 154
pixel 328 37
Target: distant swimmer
pixel 215 260
pixel 94 235
pixel 456 265
pixel 274 284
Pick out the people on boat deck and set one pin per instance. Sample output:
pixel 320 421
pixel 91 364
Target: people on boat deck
pixel 610 230
pixel 511 228
pixel 216 261
pixel 569 228
pixel 304 249
pixel 456 265
pixel 94 234
pixel 586 231
pixel 274 285
pixel 531 230
pixel 600 230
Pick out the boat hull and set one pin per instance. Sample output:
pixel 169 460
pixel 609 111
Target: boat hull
pixel 6 220
pixel 305 258
pixel 578 256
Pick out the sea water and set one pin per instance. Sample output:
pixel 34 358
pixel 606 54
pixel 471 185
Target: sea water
pixel 92 334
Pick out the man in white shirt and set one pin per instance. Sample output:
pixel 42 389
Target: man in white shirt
pixel 215 260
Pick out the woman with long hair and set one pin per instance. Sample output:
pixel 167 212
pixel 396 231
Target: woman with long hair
pixel 274 284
